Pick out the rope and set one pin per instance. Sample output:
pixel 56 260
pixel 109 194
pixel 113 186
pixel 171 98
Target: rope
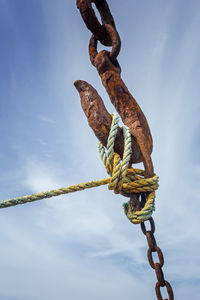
pixel 122 179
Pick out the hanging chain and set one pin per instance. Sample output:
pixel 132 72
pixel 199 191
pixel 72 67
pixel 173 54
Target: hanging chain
pixel 157 266
pixel 109 70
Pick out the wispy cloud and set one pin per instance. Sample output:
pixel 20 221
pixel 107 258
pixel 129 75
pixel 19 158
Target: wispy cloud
pixel 46 119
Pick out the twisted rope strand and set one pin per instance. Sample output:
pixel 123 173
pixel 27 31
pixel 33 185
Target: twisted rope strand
pixel 53 193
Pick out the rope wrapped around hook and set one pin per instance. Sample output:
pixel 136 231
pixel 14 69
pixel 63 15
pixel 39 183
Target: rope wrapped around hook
pixel 122 178
pixel 125 179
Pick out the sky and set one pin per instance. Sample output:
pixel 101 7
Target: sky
pixel 81 245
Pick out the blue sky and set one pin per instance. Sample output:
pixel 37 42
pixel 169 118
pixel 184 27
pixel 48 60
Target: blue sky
pixel 81 246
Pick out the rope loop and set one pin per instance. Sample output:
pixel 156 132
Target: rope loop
pixel 126 179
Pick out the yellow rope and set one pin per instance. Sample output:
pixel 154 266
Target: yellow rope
pixel 122 179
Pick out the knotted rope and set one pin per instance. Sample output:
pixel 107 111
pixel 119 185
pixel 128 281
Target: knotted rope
pixel 125 179
pixel 122 179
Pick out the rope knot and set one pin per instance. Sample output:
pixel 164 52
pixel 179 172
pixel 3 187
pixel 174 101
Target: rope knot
pixel 125 179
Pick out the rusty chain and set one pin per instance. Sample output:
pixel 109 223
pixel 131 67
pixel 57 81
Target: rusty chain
pixel 157 266
pixel 100 120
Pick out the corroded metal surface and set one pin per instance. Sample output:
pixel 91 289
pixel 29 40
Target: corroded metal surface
pixel 91 21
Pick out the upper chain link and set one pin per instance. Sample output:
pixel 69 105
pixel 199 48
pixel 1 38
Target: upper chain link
pixel 91 21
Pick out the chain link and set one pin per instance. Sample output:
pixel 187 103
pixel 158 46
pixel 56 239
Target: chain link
pixel 160 256
pixel 91 21
pixel 169 290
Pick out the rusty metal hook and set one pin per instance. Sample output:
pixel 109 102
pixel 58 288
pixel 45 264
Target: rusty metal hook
pixel 127 107
pixel 109 70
